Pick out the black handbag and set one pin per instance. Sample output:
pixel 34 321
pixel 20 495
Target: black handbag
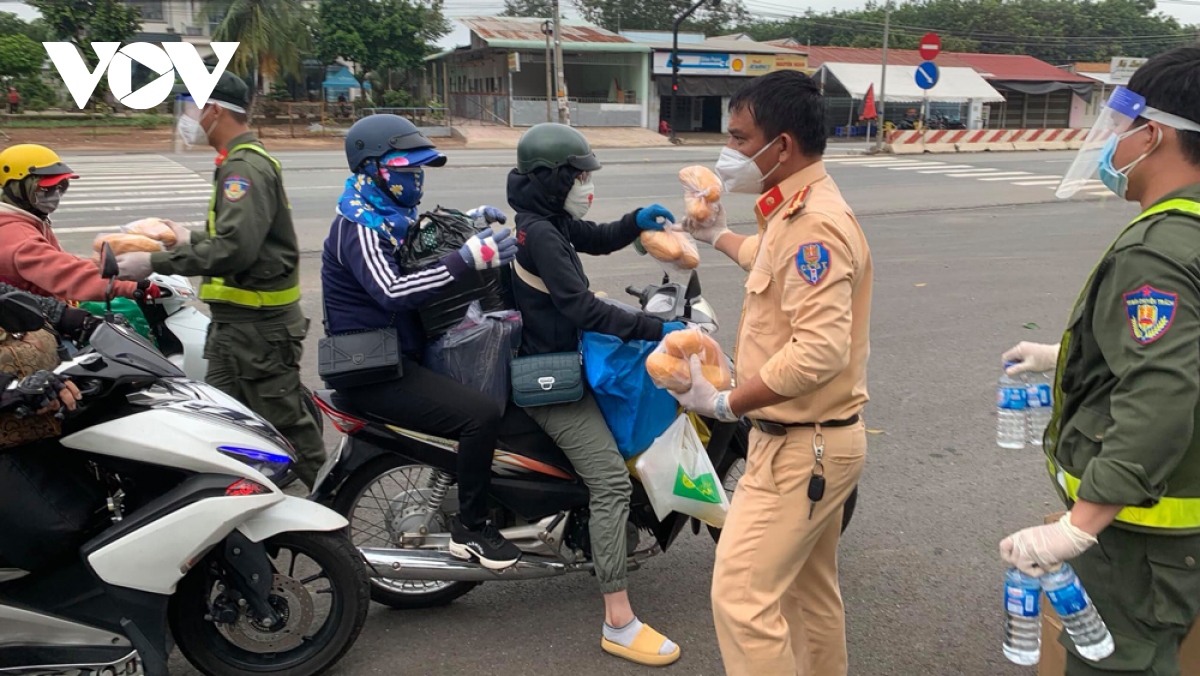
pixel 359 358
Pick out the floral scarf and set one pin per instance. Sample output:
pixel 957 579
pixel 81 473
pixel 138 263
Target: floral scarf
pixel 389 212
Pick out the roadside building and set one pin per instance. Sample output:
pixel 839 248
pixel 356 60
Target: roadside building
pixel 1108 75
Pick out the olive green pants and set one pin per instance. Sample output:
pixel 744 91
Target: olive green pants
pixel 1147 589
pixel 258 363
pixel 580 431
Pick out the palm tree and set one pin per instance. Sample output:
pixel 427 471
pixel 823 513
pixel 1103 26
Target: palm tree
pixel 274 36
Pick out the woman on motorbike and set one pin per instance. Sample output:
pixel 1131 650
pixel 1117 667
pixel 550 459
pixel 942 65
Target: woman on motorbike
pixel 366 288
pixel 551 190
pixel 33 180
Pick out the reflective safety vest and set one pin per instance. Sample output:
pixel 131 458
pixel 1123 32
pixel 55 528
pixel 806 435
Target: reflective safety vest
pixel 215 288
pixel 1169 513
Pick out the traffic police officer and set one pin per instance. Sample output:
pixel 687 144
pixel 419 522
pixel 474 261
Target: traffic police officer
pixel 801 375
pixel 1123 445
pixel 249 257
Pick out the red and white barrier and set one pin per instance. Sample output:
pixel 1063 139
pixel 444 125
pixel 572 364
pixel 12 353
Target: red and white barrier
pixel 907 141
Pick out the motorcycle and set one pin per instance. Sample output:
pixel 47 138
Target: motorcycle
pixel 397 488
pixel 196 544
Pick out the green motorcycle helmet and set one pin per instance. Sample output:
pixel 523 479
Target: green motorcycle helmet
pixel 553 145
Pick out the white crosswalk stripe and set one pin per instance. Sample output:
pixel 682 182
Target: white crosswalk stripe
pixel 128 186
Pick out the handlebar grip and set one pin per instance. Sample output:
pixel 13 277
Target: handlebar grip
pixel 635 291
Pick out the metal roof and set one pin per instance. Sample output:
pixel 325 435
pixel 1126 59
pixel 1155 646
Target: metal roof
pixel 724 46
pixel 490 28
pixel 1010 67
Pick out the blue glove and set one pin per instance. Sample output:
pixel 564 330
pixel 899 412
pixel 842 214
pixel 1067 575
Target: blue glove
pixel 488 214
pixel 487 250
pixel 668 327
pixel 654 217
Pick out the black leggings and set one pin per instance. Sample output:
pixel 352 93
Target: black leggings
pixel 430 403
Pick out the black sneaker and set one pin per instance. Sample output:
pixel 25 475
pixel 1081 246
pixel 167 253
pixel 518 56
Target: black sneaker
pixel 486 544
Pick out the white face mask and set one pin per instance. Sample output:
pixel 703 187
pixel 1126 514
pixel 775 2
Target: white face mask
pixel 579 200
pixel 191 132
pixel 740 173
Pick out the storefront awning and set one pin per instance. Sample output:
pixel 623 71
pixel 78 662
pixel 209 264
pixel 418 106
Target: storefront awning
pixel 955 84
pixel 701 85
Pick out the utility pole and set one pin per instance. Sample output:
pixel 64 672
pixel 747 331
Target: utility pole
pixel 547 29
pixel 882 105
pixel 560 86
pixel 675 62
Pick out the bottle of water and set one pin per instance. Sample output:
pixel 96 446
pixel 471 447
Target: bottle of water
pixel 1079 616
pixel 1040 399
pixel 1022 626
pixel 1011 398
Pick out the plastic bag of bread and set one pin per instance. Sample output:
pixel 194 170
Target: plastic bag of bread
pixel 122 243
pixel 701 190
pixel 669 365
pixel 154 228
pixel 671 246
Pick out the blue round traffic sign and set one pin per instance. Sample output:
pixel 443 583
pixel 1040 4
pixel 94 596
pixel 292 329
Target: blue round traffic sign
pixel 927 75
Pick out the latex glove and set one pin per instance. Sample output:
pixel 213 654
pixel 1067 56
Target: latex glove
pixel 704 398
pixel 1036 357
pixel 1042 549
pixel 668 327
pixel 487 250
pixel 709 231
pixel 182 234
pixel 488 214
pixel 654 217
pixel 134 265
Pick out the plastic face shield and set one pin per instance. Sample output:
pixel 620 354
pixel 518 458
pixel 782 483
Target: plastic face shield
pixel 1118 116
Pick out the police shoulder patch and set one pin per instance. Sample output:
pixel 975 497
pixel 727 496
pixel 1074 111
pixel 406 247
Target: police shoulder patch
pixel 235 188
pixel 812 260
pixel 1150 312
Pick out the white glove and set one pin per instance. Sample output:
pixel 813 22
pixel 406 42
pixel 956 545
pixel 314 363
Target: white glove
pixel 1042 549
pixel 1037 357
pixel 182 234
pixel 134 265
pixel 704 398
pixel 709 231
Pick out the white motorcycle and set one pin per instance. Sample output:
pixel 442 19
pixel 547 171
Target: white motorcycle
pixel 196 544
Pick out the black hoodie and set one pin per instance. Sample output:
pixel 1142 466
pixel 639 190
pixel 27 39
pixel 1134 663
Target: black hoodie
pixel 547 241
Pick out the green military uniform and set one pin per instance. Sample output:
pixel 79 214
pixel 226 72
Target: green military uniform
pixel 249 256
pixel 1125 432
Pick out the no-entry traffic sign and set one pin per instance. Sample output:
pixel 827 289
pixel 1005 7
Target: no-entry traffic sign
pixel 931 46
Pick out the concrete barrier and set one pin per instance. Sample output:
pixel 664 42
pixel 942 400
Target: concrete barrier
pixel 908 141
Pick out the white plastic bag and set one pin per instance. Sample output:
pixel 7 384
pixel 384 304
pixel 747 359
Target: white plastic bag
pixel 679 477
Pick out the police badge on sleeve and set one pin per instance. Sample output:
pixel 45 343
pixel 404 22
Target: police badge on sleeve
pixel 235 188
pixel 1150 313
pixel 813 262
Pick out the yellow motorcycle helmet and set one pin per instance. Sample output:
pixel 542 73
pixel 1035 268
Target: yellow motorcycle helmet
pixel 19 161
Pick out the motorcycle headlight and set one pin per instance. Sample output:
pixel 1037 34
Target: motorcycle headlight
pixel 274 466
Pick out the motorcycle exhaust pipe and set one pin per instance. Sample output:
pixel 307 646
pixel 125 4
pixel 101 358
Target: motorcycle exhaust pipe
pixel 421 564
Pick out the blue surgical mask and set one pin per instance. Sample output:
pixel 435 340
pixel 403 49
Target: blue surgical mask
pixel 1117 180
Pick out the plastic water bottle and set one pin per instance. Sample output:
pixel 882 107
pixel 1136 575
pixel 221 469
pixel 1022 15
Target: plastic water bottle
pixel 1079 615
pixel 1011 398
pixel 1040 399
pixel 1022 626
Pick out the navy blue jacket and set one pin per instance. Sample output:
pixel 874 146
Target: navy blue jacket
pixel 365 288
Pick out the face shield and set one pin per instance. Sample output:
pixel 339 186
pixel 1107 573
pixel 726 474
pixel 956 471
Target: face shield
pixel 1118 116
pixel 191 128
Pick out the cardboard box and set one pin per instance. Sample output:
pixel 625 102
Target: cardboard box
pixel 1054 656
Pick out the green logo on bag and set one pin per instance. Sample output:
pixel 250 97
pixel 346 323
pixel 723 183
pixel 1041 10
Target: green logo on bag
pixel 702 488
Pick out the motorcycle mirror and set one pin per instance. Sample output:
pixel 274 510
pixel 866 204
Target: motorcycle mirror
pixel 108 263
pixel 693 287
pixel 19 313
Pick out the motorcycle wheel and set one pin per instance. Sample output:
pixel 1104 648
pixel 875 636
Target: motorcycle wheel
pixel 380 493
pixel 733 466
pixel 316 575
pixel 310 405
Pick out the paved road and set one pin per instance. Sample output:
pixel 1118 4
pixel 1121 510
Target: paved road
pixel 962 263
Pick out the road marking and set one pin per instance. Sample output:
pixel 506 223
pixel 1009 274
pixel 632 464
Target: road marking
pixel 936 166
pixel 944 170
pixel 1053 181
pixel 107 189
pixel 152 200
pixel 114 228
pixel 141 196
pixel 968 173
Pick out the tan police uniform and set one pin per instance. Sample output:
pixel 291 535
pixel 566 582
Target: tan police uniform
pixel 805 331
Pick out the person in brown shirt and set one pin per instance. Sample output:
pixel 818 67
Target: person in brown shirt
pixel 801 372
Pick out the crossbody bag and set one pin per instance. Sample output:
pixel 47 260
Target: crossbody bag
pixel 545 379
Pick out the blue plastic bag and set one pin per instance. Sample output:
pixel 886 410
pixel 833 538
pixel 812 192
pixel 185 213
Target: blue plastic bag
pixel 636 411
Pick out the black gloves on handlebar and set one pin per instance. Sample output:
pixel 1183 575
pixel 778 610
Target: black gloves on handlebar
pixel 32 393
pixel 77 325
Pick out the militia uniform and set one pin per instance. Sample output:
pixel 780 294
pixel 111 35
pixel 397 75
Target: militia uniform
pixel 249 257
pixel 1124 432
pixel 805 331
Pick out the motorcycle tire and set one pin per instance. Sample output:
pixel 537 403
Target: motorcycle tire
pixel 739 447
pixel 206 648
pixel 310 405
pixel 381 591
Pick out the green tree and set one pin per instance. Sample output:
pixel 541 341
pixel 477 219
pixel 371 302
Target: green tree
pixel 377 35
pixel 537 9
pixel 616 15
pixel 11 24
pixel 274 35
pixel 82 21
pixel 20 57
